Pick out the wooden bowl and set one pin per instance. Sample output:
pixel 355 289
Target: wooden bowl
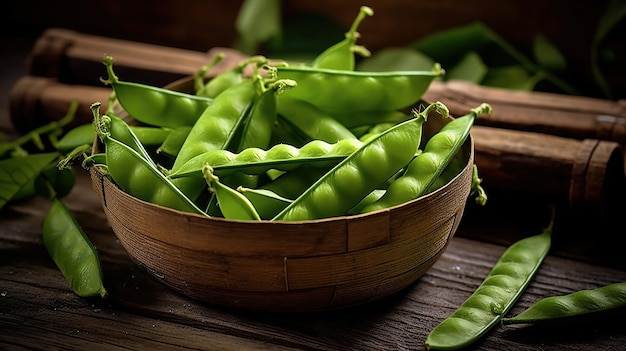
pixel 289 266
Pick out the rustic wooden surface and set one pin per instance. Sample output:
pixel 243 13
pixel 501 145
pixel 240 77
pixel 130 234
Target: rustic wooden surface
pixel 38 311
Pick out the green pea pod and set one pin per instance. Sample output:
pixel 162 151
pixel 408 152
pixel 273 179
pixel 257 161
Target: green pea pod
pixel 119 130
pixel 341 54
pixel 154 105
pixel 504 284
pixel 72 251
pixel 258 161
pixel 267 203
pixel 578 304
pixel 232 204
pixel 314 123
pixel 258 126
pixel 426 167
pixel 342 92
pixel 336 192
pixel 137 176
pixel 215 129
pixel 226 79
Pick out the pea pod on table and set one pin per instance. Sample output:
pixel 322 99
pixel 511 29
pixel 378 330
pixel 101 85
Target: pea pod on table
pixel 577 304
pixel 504 284
pixel 155 105
pixel 360 173
pixel 72 251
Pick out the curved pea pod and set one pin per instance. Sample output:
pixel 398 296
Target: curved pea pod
pixel 314 123
pixel 341 54
pixel 139 177
pixel 578 304
pixel 426 167
pixel 232 204
pixel 266 202
pixel 72 251
pixel 340 189
pixel 342 92
pixel 154 105
pixel 257 161
pixel 503 285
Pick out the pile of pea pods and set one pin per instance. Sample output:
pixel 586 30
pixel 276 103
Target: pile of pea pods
pixel 270 140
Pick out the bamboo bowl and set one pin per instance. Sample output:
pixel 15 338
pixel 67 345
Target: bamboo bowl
pixel 289 266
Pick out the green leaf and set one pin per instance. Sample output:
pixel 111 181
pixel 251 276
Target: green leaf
pixel 548 55
pixel 257 22
pixel 396 59
pixel 17 172
pixel 470 68
pixel 511 77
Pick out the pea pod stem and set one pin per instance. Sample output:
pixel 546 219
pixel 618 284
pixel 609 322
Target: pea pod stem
pixel 341 54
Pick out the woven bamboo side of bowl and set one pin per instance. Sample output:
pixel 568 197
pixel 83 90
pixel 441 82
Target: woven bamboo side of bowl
pixel 288 266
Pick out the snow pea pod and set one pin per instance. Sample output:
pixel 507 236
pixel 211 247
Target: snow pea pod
pixel 282 157
pixel 426 167
pixel 340 189
pixel 72 251
pixel 342 92
pixel 341 54
pixel 153 105
pixel 577 304
pixel 503 285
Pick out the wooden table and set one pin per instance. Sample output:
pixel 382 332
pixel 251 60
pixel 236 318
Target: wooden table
pixel 38 310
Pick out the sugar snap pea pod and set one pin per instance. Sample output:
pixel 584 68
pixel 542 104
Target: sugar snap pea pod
pixel 137 176
pixel 266 202
pixel 312 122
pixel 503 285
pixel 258 126
pixel 282 157
pixel 226 79
pixel 426 167
pixel 233 204
pixel 341 54
pixel 215 128
pixel 575 305
pixel 340 189
pixel 154 105
pixel 72 251
pixel 342 92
